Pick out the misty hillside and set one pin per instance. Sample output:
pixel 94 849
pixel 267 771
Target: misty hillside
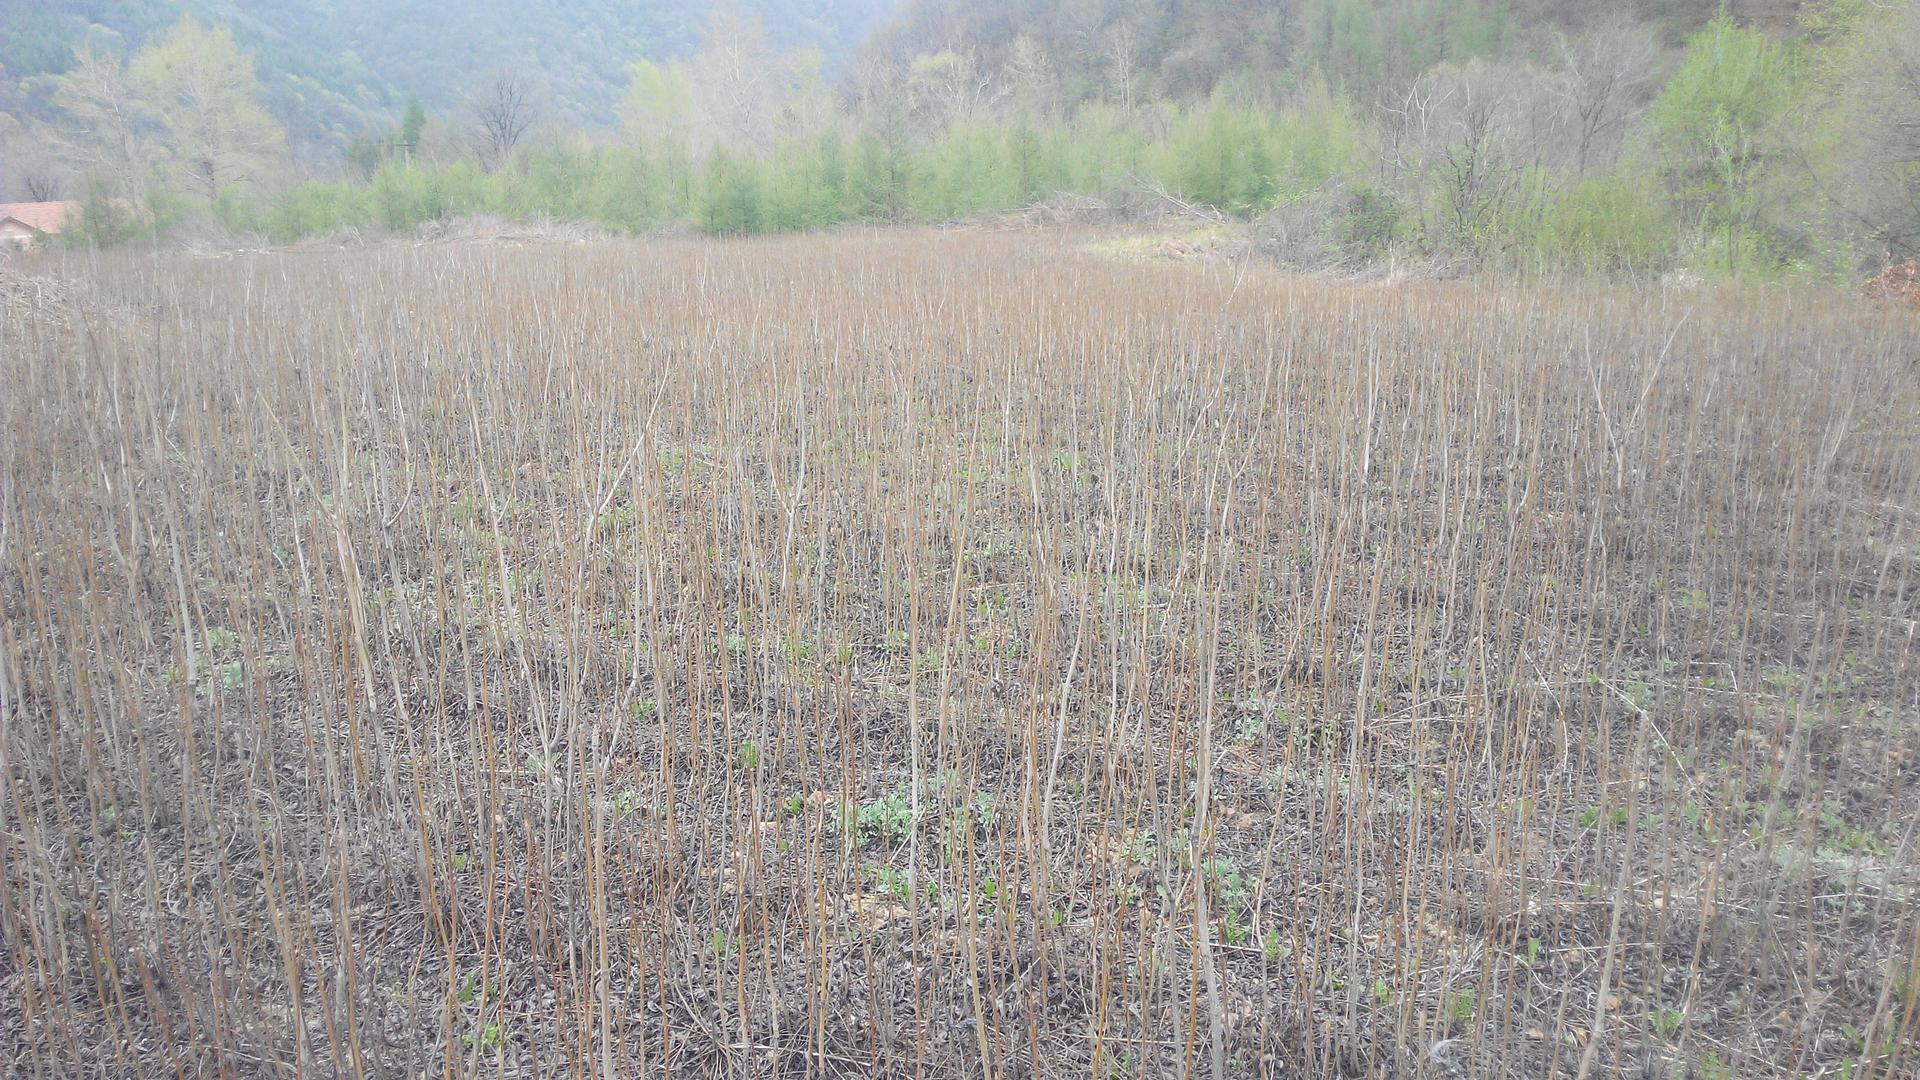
pixel 327 65
pixel 1184 48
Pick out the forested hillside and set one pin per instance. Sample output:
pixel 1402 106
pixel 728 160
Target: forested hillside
pixel 325 66
pixel 1186 47
pixel 1750 138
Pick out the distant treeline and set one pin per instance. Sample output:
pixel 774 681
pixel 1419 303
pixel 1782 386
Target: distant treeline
pixel 1593 149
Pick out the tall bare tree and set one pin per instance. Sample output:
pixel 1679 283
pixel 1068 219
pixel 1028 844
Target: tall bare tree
pixel 1031 77
pixel 1471 129
pixel 1608 73
pixel 1871 122
pixel 103 122
pixel 737 80
pixel 504 110
pixel 949 88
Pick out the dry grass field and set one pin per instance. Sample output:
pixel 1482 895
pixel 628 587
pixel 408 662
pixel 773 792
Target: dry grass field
pixel 949 655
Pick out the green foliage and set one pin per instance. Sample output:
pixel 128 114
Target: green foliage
pixel 1222 157
pixel 202 89
pixel 316 209
pixel 1716 180
pixel 105 219
pixel 1368 43
pixel 1611 225
pixel 733 199
pixel 658 107
pixel 1224 880
pixel 1372 221
pixel 1718 126
pixel 891 881
pixel 889 818
pixel 405 195
pixel 1316 142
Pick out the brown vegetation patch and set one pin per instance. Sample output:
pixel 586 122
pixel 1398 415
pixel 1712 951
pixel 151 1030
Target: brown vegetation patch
pixel 1898 285
pixel 949 655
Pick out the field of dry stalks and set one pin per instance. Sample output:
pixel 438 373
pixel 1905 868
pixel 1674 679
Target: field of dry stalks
pixel 949 655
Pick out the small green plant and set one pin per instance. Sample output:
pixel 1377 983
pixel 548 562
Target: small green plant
pixel 1638 692
pixel 1250 729
pixel 1224 879
pixel 1461 1006
pixel 1380 992
pixel 220 639
pixel 472 989
pixel 615 517
pixel 1593 815
pixel 1275 949
pixel 801 650
pixel 747 758
pixel 1141 849
pixel 1840 836
pixel 1667 1021
pixel 460 861
pixel 888 818
pixel 489 1039
pixel 891 882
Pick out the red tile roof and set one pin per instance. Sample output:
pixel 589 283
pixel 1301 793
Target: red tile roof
pixel 46 217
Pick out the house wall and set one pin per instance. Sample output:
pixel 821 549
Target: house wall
pixel 14 234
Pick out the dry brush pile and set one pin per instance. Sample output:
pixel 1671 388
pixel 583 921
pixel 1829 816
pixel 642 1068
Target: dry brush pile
pixel 950 656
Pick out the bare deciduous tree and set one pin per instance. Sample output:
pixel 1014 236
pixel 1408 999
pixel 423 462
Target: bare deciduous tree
pixel 1874 97
pixel 1030 76
pixel 949 88
pixel 1608 73
pixel 1123 60
pixel 503 111
pixel 1471 129
pixel 737 83
pixel 105 125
